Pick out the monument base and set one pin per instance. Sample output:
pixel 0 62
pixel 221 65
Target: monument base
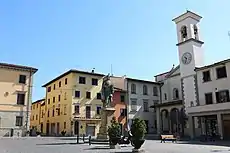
pixel 106 116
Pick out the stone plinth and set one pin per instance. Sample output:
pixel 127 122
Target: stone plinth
pixel 106 116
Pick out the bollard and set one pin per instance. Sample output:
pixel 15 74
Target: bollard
pixel 90 140
pixel 83 138
pixel 77 139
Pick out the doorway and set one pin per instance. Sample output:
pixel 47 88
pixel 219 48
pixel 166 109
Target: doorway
pixel 76 128
pixel 47 128
pixel 58 128
pixel 147 126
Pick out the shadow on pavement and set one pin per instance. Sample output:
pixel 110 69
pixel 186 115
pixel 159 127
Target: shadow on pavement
pixel 58 144
pixel 215 143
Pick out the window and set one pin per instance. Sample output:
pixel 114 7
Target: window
pixel 133 105
pixel 65 96
pixel 88 112
pixel 54 86
pixel 123 112
pixel 88 95
pixel 53 111
pixel 99 95
pixel 33 106
pixel 208 98
pixel 66 80
pixel 64 125
pixel 19 120
pixel 22 79
pixel 65 111
pixel 77 94
pixel 21 99
pixel 59 97
pixel 49 89
pixel 94 82
pixel 48 113
pixel 37 105
pixel 48 101
pixel 155 91
pixel 145 90
pixel 59 84
pixel 122 98
pixel 58 112
pixel 222 96
pixel 133 88
pixel 36 117
pixel 53 99
pixel 98 110
pixel 175 94
pixel 165 96
pixel 33 117
pixel 76 109
pixel 221 72
pixel 81 80
pixel 145 105
pixel 42 115
pixel 206 76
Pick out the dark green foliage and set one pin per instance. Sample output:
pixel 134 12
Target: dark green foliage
pixel 114 131
pixel 138 129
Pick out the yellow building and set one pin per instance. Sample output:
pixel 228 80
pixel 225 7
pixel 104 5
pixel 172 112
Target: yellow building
pixel 15 99
pixel 73 103
pixel 37 115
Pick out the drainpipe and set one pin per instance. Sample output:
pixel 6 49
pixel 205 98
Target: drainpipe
pixel 28 101
pixel 127 104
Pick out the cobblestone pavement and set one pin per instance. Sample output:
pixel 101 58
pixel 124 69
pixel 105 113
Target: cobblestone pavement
pixel 66 145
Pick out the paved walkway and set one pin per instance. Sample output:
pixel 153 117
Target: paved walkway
pixel 68 145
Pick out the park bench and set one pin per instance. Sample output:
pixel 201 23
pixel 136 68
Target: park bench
pixel 168 138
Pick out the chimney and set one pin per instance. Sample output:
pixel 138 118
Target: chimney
pixel 93 70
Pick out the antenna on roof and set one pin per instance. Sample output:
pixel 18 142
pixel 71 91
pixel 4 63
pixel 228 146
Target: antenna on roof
pixel 111 69
pixel 229 34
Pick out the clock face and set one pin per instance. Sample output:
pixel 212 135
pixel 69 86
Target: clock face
pixel 186 58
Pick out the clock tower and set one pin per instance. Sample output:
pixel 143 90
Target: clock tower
pixel 190 53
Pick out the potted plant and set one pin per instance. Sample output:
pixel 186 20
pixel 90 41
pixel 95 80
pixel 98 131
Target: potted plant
pixel 114 133
pixel 138 130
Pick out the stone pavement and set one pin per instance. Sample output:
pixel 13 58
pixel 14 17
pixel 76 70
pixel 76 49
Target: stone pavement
pixel 68 145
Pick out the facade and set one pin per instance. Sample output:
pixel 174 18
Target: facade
pixel 119 103
pixel 73 103
pixel 141 95
pixel 194 97
pixel 16 87
pixel 37 115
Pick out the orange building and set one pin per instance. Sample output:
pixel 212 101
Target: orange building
pixel 119 103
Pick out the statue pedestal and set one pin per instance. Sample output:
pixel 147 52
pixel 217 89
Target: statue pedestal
pixel 106 116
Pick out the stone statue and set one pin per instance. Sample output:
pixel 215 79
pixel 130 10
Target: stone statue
pixel 107 91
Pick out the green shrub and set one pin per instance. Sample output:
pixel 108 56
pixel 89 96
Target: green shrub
pixel 114 130
pixel 138 128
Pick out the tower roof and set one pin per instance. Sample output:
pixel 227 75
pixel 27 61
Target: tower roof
pixel 187 14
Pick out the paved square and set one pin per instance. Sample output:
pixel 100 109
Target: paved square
pixel 66 145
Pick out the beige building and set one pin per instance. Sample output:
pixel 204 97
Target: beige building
pixel 15 99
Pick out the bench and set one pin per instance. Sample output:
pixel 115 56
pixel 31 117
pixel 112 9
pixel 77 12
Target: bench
pixel 168 138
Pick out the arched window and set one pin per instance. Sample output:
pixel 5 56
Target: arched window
pixel 195 31
pixel 184 33
pixel 133 88
pixel 145 90
pixel 155 91
pixel 175 93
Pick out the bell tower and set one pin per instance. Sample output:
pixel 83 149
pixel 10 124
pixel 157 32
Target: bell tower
pixel 190 51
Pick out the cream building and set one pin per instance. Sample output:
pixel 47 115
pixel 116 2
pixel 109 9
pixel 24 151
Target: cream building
pixel 15 99
pixel 194 97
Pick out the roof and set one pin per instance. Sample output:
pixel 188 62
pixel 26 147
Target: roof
pixel 37 101
pixel 21 67
pixel 72 71
pixel 161 73
pixel 212 65
pixel 145 81
pixel 186 15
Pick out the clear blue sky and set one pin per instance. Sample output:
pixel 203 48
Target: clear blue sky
pixel 137 37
